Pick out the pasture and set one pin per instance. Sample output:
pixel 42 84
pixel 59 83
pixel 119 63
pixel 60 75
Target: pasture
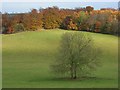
pixel 27 57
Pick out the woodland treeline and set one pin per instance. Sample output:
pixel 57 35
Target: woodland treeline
pixel 105 20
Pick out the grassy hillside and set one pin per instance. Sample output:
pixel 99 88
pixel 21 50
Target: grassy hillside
pixel 28 55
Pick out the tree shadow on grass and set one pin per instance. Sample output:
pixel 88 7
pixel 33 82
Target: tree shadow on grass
pixel 81 79
pixel 38 79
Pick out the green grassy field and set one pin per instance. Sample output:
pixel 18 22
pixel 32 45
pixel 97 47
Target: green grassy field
pixel 28 55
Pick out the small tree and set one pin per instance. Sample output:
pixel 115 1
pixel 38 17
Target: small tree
pixel 77 55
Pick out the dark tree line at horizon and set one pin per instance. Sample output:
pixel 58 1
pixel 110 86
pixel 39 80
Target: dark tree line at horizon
pixel 105 20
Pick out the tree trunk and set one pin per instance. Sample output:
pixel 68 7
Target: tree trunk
pixel 71 74
pixel 75 72
pixel 71 69
pixel 75 76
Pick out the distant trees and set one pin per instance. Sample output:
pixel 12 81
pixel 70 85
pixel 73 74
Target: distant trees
pixel 69 23
pixel 36 20
pixel 18 27
pixel 114 28
pixel 89 9
pixel 84 19
pixel 33 20
pixel 27 22
pixel 51 18
pixel 77 55
pixel 7 23
pixel 77 21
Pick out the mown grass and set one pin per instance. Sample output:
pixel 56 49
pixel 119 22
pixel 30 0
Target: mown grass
pixel 27 57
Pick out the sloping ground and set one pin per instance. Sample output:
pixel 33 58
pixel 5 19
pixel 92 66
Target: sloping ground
pixel 28 55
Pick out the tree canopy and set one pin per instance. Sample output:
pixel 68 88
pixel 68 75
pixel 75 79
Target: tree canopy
pixel 77 55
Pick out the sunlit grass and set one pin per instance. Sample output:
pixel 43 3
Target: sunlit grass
pixel 28 55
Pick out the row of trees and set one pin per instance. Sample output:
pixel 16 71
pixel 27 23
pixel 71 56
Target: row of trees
pixel 87 19
pixel 96 21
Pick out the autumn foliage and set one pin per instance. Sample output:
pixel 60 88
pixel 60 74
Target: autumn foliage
pixel 85 19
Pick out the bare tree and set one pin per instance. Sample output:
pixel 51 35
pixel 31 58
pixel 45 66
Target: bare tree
pixel 77 55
